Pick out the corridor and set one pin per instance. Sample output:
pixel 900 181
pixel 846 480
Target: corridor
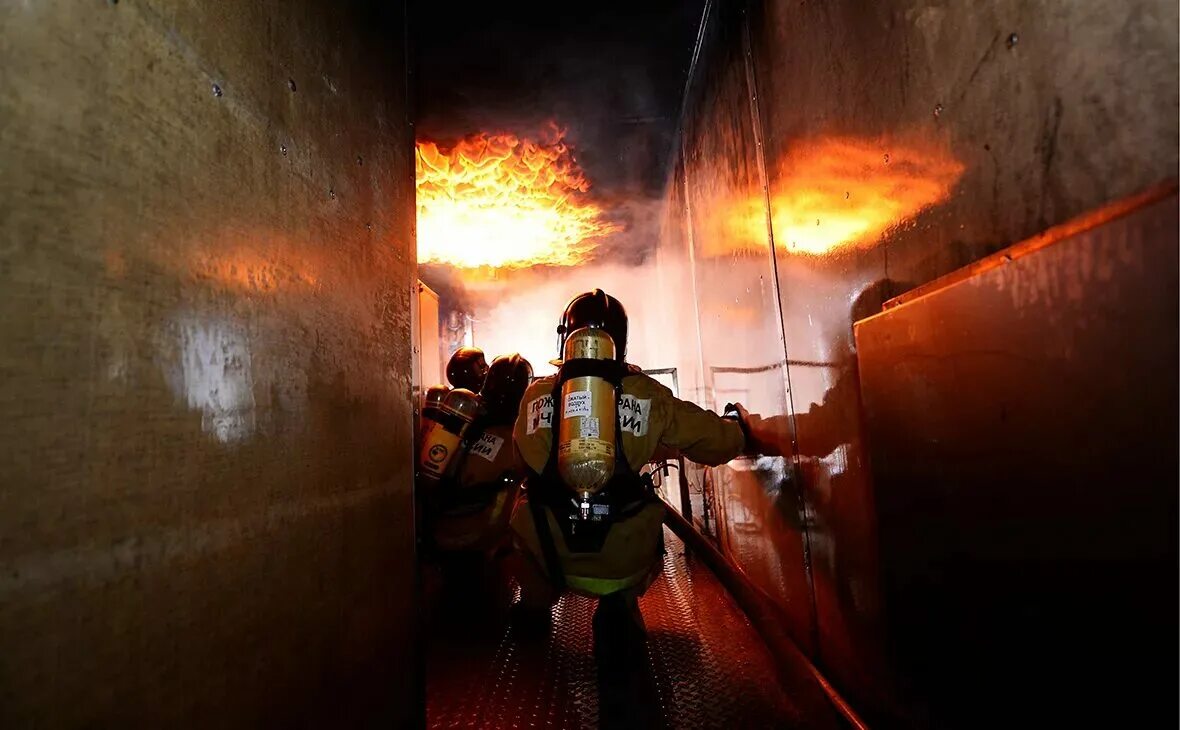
pixel 708 667
pixel 893 285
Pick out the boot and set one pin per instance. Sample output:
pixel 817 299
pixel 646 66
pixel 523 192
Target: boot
pixel 618 614
pixel 626 688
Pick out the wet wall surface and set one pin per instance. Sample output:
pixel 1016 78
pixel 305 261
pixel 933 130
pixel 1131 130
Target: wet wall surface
pixel 206 259
pixel 837 154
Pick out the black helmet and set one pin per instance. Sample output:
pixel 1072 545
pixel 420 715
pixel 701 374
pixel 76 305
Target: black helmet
pixel 467 368
pixel 503 389
pixel 601 310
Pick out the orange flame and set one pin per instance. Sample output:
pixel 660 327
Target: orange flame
pixel 494 200
pixel 834 193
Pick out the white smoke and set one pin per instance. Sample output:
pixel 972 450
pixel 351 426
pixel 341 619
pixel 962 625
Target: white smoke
pixel 523 317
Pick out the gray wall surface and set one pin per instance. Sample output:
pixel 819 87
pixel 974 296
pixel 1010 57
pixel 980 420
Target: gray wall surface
pixel 206 259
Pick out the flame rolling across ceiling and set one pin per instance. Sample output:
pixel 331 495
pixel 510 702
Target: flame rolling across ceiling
pixel 838 192
pixel 495 201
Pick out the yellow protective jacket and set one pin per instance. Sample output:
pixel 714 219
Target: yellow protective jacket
pixel 650 419
pixel 487 460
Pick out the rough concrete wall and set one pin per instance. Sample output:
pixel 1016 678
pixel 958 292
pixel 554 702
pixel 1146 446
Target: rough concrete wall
pixel 937 133
pixel 1050 108
pixel 206 259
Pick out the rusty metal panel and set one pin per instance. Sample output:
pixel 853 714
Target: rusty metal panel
pixel 206 263
pixel 1024 446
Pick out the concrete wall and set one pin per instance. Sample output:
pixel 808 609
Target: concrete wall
pixel 206 260
pixel 834 154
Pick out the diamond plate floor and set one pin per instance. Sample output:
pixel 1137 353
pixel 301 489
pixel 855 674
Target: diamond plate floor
pixel 707 668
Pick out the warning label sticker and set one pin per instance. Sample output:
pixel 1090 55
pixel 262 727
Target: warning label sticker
pixel 488 446
pixel 577 403
pixel 634 414
pixel 540 413
pixel 588 448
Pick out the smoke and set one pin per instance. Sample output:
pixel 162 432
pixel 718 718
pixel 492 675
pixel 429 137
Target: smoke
pixel 611 74
pixel 522 316
pixel 640 221
pixel 447 283
pixel 514 306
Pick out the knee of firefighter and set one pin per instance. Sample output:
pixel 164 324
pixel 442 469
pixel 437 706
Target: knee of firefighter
pixel 483 530
pixel 535 589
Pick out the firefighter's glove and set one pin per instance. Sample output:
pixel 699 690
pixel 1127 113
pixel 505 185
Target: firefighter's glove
pixel 736 412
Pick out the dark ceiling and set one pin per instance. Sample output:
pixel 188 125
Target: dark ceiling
pixel 611 73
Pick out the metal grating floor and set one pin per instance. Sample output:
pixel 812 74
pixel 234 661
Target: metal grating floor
pixel 706 667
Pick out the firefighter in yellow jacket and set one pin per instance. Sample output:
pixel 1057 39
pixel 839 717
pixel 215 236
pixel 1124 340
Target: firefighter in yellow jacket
pixel 474 506
pixel 469 508
pixel 591 523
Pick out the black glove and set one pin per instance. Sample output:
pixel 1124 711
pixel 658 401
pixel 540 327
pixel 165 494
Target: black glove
pixel 731 412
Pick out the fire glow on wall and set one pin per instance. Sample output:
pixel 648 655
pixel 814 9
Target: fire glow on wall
pixel 836 192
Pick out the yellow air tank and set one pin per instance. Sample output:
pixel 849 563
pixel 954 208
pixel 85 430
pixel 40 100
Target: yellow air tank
pixel 432 402
pixel 586 431
pixel 443 437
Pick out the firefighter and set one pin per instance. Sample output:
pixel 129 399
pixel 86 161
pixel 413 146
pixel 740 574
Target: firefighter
pixel 447 414
pixel 471 506
pixel 590 522
pixel 447 410
pixel 475 505
pixel 467 368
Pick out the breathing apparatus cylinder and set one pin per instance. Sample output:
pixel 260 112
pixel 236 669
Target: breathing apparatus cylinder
pixel 588 410
pixel 443 435
pixel 432 402
pixel 431 411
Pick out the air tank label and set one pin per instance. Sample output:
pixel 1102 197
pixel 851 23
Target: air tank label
pixel 578 403
pixel 488 446
pixel 587 449
pixel 437 448
pixel 633 414
pixel 588 428
pixel 540 413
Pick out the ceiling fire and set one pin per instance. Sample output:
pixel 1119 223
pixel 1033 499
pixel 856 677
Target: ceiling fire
pixel 501 202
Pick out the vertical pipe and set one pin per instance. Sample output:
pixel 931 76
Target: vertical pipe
pixel 706 385
pixel 685 495
pixel 706 14
pixel 756 122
